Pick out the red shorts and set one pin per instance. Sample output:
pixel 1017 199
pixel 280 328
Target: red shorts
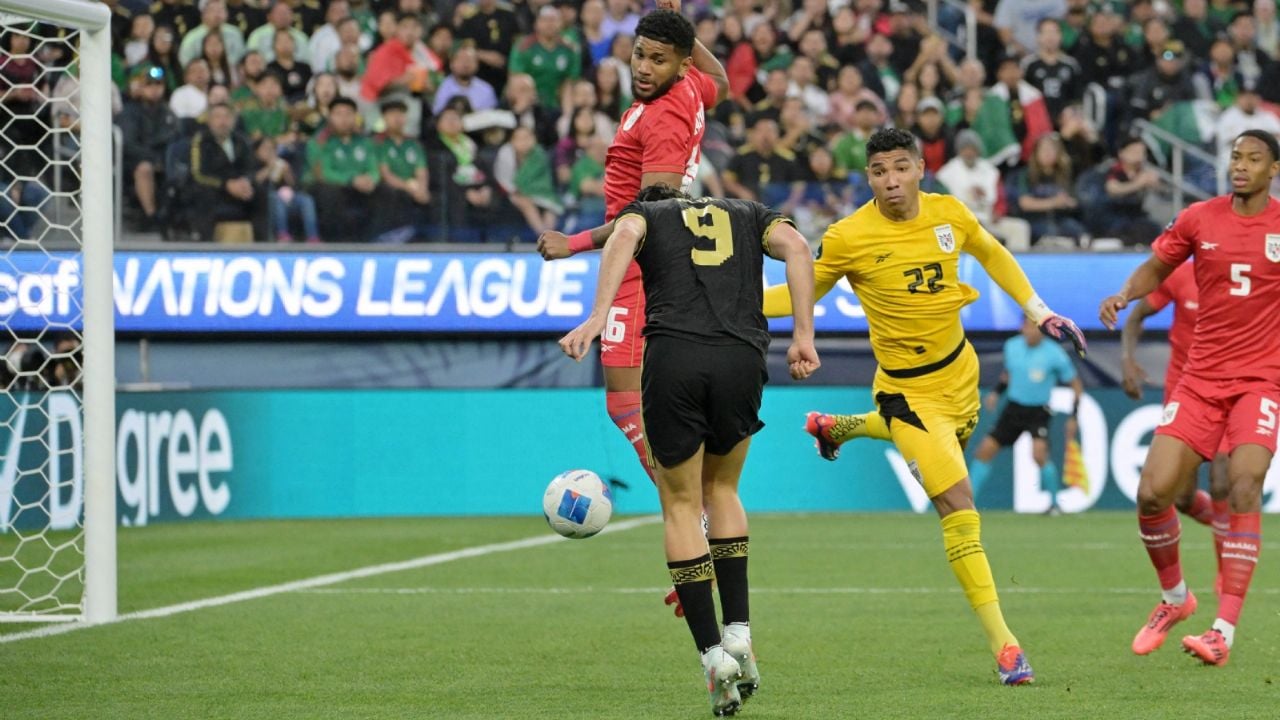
pixel 1171 379
pixel 1222 414
pixel 621 344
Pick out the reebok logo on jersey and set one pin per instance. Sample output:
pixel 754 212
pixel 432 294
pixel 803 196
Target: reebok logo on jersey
pixel 1170 412
pixel 882 258
pixel 1273 247
pixel 1208 246
pixel 946 238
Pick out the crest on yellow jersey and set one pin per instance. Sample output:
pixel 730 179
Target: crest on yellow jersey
pixel 946 238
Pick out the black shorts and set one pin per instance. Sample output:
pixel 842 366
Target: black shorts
pixel 692 393
pixel 1017 419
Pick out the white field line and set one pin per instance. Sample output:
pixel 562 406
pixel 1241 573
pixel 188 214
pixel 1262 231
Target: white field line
pixel 1007 590
pixel 320 581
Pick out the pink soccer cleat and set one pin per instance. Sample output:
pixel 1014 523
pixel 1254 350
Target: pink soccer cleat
pixel 1161 621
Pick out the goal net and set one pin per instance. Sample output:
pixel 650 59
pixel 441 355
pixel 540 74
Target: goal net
pixel 57 488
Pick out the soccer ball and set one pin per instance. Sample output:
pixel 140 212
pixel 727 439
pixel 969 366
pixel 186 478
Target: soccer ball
pixel 577 504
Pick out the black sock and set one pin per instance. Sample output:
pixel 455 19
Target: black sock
pixel 692 579
pixel 729 556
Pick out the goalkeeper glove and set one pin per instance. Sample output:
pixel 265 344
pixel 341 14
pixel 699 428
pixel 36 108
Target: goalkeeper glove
pixel 1061 328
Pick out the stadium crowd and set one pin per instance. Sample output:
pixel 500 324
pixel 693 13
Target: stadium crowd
pixel 421 120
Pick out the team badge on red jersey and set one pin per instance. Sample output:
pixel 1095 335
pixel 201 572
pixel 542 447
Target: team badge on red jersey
pixel 1273 247
pixel 946 238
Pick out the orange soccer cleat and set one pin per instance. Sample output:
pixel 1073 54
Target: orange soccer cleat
pixel 1013 667
pixel 1161 621
pixel 819 426
pixel 1210 648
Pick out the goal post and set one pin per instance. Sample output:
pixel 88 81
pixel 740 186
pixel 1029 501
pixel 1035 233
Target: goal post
pixel 89 23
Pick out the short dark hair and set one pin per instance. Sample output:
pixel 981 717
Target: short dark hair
pixel 889 139
pixel 670 27
pixel 221 106
pixel 1273 146
pixel 343 100
pixel 395 105
pixel 865 105
pixel 660 191
pixel 401 17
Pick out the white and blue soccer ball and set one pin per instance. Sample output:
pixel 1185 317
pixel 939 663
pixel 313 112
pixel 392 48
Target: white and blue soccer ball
pixel 577 504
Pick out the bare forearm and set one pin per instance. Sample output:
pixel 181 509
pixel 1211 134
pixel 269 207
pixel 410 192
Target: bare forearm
pixel 800 287
pixel 1130 333
pixel 1145 278
pixel 707 63
pixel 619 249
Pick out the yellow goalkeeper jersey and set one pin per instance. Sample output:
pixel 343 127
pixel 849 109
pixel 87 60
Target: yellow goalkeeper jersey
pixel 906 275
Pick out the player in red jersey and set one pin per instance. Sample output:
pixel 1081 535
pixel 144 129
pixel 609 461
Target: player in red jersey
pixel 675 80
pixel 1230 386
pixel 1179 290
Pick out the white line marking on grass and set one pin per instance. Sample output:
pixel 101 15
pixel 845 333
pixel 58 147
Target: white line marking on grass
pixel 1009 590
pixel 329 579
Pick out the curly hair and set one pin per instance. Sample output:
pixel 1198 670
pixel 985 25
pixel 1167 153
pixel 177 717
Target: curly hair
pixel 660 191
pixel 891 138
pixel 670 27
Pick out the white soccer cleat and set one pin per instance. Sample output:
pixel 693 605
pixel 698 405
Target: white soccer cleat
pixel 737 642
pixel 722 673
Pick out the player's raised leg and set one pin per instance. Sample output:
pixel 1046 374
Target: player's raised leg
pixel 1170 463
pixel 729 542
pixel 830 431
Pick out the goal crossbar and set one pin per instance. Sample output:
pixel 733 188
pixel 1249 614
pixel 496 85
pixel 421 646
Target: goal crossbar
pixel 79 14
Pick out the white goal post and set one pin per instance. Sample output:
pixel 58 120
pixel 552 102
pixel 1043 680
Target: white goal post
pixel 92 20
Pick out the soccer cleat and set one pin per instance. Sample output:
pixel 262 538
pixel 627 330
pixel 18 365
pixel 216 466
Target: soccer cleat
pixel 819 425
pixel 737 642
pixel 1013 667
pixel 722 673
pixel 673 598
pixel 1162 620
pixel 1210 648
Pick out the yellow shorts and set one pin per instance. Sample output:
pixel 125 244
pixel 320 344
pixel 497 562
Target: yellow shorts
pixel 930 417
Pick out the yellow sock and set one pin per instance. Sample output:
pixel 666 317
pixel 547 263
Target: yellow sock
pixel 961 536
pixel 868 425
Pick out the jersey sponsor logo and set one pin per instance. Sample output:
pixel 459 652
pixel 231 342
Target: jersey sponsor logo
pixel 882 258
pixel 633 116
pixel 946 238
pixel 1037 375
pixel 1170 412
pixel 1208 246
pixel 1191 305
pixel 1273 247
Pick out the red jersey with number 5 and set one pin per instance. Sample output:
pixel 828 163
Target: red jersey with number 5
pixel 1237 273
pixel 664 135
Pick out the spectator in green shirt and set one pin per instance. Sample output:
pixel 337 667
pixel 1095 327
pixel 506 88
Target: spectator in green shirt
pixel 342 166
pixel 402 163
pixel 265 114
pixel 586 184
pixel 547 57
pixel 850 148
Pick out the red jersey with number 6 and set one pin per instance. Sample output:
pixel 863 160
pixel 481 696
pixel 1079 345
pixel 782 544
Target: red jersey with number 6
pixel 661 136
pixel 664 135
pixel 1178 290
pixel 1237 273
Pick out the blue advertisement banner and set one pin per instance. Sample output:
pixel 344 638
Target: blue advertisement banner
pixel 426 292
pixel 371 453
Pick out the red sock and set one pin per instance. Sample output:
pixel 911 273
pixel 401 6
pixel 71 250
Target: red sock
pixel 1221 523
pixel 1201 509
pixel 1239 558
pixel 624 411
pixel 1161 533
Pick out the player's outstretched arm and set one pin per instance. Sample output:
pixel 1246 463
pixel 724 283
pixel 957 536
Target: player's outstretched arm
pixel 618 253
pixel 1145 278
pixel 1005 270
pixel 785 243
pixel 1134 376
pixel 554 245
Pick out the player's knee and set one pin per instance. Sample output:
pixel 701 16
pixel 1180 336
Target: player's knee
pixel 1152 498
pixel 1245 490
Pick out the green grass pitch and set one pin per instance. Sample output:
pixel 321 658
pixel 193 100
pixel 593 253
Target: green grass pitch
pixel 854 616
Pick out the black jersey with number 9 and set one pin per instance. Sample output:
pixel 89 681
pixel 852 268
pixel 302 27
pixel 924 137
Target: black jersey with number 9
pixel 702 262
